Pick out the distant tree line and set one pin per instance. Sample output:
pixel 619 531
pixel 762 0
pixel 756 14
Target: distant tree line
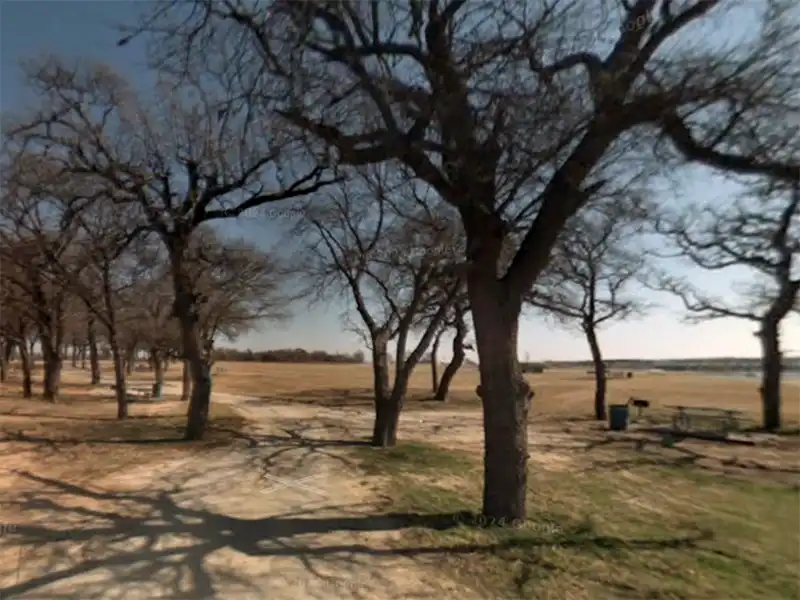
pixel 696 364
pixel 288 355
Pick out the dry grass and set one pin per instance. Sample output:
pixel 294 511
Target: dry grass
pixel 610 517
pixel 560 394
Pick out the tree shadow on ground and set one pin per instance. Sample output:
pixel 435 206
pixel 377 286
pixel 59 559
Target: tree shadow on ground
pixel 109 542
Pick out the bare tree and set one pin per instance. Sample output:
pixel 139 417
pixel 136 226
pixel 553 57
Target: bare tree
pixel 15 327
pixel 510 112
pixel 762 236
pixel 187 158
pixel 393 269
pixel 594 264
pixel 33 242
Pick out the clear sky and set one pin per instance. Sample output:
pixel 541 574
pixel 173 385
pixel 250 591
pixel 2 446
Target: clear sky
pixel 73 29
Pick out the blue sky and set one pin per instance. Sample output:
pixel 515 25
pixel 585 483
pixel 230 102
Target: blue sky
pixel 73 29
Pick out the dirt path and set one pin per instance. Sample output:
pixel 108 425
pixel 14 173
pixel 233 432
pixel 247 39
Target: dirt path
pixel 284 517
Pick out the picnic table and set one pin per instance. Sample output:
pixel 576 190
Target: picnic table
pixel 132 395
pixel 724 419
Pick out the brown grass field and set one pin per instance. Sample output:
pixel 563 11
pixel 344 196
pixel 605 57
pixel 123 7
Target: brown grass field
pixel 611 516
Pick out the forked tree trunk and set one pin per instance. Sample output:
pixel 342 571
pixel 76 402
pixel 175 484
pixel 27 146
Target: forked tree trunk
pixel 771 369
pixel 94 356
pixel 504 394
pixel 599 372
pixel 27 370
pixel 458 357
pixel 435 361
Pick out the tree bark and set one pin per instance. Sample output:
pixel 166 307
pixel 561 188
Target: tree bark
pixel 599 372
pixel 157 362
pixel 504 393
pixel 74 354
pixel 27 369
pixel 130 359
pixel 94 356
pixel 119 376
pixel 185 309
pixel 186 387
pixel 380 381
pixel 4 360
pixel 52 371
pixel 435 361
pixel 771 370
pixel 458 357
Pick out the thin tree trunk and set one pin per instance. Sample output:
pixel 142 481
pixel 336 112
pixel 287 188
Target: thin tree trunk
pixel 120 382
pixel 31 353
pixel 130 359
pixel 771 370
pixel 4 360
pixel 157 362
pixel 435 361
pixel 83 357
pixel 599 372
pixel 504 393
pixel 74 354
pixel 94 356
pixel 380 376
pixel 458 357
pixel 27 368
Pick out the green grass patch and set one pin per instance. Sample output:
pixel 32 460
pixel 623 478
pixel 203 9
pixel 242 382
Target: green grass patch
pixel 645 531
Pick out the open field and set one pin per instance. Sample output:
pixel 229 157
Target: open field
pixel 90 511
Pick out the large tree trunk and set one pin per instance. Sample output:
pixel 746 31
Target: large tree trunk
pixel 52 371
pixel 599 372
pixel 380 382
pixel 504 393
pixel 27 370
pixel 186 312
pixel 771 369
pixel 94 356
pixel 435 361
pixel 458 357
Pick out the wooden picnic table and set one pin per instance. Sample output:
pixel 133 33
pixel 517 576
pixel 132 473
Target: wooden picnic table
pixel 726 419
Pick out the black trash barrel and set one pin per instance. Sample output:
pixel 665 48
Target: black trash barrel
pixel 618 417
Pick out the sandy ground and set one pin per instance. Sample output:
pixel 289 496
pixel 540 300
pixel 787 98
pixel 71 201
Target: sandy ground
pixel 281 517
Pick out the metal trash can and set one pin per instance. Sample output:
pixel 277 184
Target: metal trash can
pixel 157 390
pixel 618 417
